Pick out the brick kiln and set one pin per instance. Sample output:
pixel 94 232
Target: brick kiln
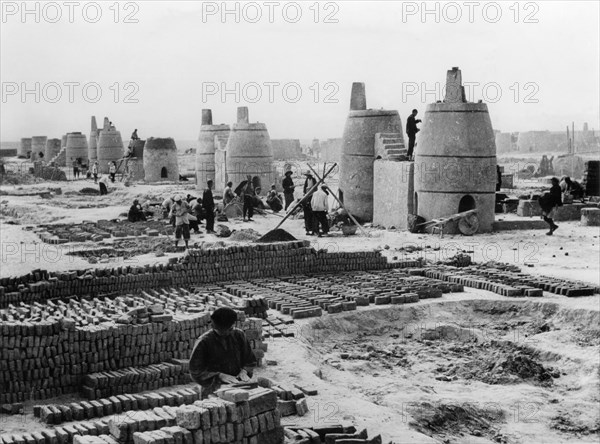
pixel 455 162
pixel 358 151
pixel 205 152
pixel 160 160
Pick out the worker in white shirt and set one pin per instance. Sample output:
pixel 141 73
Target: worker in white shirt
pixel 320 208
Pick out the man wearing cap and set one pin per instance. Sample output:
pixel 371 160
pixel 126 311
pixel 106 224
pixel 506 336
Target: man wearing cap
pixel 309 217
pixel 222 355
pixel 180 211
pixel 288 189
pixel 208 204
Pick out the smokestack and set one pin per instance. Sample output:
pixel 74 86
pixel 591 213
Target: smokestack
pixel 242 114
pixel 455 92
pixel 106 125
pixel 207 117
pixel 94 125
pixel 358 98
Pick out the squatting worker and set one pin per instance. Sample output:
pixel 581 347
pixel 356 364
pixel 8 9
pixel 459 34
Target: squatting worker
pixel 411 131
pixel 222 355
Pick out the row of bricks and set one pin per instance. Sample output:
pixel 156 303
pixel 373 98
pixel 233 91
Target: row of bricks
pixel 76 411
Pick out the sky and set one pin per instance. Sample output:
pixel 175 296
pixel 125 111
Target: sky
pixel 155 65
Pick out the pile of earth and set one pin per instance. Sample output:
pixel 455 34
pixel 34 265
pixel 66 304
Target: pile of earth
pixel 278 235
pixel 504 364
pixel 444 420
pixel 245 235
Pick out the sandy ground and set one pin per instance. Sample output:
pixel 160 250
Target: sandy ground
pixel 404 401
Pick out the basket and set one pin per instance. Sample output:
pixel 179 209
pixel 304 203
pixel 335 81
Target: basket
pixel 349 230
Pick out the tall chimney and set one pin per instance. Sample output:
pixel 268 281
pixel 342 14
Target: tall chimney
pixel 455 92
pixel 207 117
pixel 94 125
pixel 242 114
pixel 358 98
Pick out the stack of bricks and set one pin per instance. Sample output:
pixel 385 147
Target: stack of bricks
pixel 53 414
pixel 509 282
pixel 329 434
pixel 235 416
pixel 98 231
pixel 196 267
pixel 44 358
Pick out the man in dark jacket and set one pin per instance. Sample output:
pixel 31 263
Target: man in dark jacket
pixel 222 355
pixel 208 204
pixel 288 189
pixel 411 131
pixel 248 194
pixel 549 202
pixel 309 217
pixel 136 213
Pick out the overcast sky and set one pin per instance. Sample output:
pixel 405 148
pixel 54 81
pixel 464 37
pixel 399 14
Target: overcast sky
pixel 175 58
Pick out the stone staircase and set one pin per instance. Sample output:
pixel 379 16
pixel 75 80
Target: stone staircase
pixel 390 146
pixel 61 158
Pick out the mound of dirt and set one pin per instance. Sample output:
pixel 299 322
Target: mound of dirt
pixel 441 419
pixel 245 235
pixel 89 191
pixel 278 235
pixel 506 364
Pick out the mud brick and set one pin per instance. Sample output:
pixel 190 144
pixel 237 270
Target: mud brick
pixel 335 308
pixel 261 400
pixel 38 437
pixel 46 415
pixel 254 424
pixel 189 417
pixel 154 400
pixel 80 428
pixel 175 433
pixel 119 428
pixel 411 297
pixel 215 436
pixel 98 409
pixel 107 406
pixel 167 438
pixel 125 402
pixel 50 436
pixel 274 436
pixel 102 427
pixel 18 439
pixel 61 435
pixel 306 313
pixel 534 292
pixel 349 305
pixel 307 389
pixel 232 395
pixel 142 438
pixel 142 401
pixel 168 418
pixel 382 300
pixel 71 431
pixel 301 407
pixel 77 411
pixel 116 404
pixel 108 439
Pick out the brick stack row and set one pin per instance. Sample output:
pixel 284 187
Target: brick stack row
pixel 196 267
pixel 48 358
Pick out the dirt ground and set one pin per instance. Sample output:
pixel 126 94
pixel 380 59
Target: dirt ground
pixel 469 367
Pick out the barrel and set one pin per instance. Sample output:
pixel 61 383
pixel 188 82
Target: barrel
pixel 24 147
pixel 52 149
pixel 38 146
pixel 455 163
pixel 249 152
pixel 205 151
pixel 160 160
pixel 358 157
pixel 110 149
pixel 77 148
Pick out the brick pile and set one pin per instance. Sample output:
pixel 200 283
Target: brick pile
pixel 196 267
pixel 53 414
pixel 100 230
pixel 508 282
pixel 329 434
pixel 50 357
